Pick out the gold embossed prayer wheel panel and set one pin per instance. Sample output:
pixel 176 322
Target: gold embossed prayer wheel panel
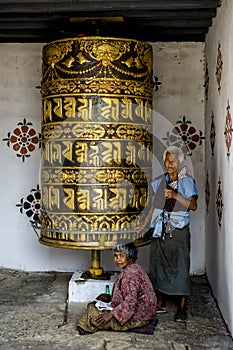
pixel 96 140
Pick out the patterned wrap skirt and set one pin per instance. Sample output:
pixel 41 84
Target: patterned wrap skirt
pixel 170 263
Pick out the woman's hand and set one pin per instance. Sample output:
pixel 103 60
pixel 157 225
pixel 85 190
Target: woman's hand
pixel 103 318
pixel 189 203
pixel 141 228
pixel 170 194
pixel 144 226
pixel 106 298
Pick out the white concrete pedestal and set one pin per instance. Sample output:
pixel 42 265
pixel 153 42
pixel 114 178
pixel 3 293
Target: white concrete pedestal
pixel 82 290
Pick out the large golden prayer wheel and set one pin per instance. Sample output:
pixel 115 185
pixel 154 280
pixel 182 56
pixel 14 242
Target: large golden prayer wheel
pixel 96 141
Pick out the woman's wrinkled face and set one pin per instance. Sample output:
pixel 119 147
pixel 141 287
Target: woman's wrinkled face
pixel 171 163
pixel 120 259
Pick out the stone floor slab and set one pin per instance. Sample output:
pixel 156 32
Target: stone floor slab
pixel 35 314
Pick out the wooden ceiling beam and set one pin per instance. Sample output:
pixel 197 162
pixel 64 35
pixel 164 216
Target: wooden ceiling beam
pixel 156 15
pixel 157 24
pixel 148 20
pixel 167 4
pixel 98 5
pixel 162 31
pixel 41 37
pixel 181 23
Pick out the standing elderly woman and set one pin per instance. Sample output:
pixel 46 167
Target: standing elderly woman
pixel 133 300
pixel 175 194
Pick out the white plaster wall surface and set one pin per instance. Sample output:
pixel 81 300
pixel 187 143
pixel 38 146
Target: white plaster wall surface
pixel 178 66
pixel 219 239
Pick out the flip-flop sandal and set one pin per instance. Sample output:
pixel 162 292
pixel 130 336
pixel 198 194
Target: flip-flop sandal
pixel 161 310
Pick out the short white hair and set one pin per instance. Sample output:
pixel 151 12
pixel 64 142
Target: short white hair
pixel 129 248
pixel 176 151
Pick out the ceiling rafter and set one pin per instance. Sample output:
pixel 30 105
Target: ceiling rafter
pixel 158 20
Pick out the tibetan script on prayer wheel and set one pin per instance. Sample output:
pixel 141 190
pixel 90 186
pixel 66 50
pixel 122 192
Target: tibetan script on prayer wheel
pixel 96 140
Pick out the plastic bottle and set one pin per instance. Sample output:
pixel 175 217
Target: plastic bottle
pixel 107 289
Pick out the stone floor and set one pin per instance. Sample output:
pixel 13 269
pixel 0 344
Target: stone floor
pixel 35 315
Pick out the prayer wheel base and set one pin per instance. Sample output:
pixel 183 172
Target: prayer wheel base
pixel 96 271
pixel 86 290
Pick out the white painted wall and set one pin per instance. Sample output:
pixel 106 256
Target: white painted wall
pixel 219 240
pixel 180 68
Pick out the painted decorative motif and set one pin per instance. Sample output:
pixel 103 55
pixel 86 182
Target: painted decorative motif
pixel 70 65
pixel 31 206
pixel 157 83
pixel 212 134
pixel 219 202
pixel 207 192
pixel 228 130
pixel 185 136
pixel 219 67
pixel 23 139
pixel 207 79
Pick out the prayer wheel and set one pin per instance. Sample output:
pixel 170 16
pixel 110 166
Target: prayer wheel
pixel 96 141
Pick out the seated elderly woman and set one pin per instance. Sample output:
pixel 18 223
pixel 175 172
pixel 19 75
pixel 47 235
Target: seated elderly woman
pixel 133 301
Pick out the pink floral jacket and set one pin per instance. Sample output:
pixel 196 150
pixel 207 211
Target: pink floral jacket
pixel 133 295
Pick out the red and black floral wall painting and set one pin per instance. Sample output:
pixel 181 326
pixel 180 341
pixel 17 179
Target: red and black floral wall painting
pixel 219 202
pixel 212 134
pixel 30 205
pixel 207 192
pixel 207 80
pixel 185 136
pixel 219 67
pixel 24 140
pixel 228 130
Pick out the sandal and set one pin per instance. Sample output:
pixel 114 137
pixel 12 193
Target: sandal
pixel 161 310
pixel 181 316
